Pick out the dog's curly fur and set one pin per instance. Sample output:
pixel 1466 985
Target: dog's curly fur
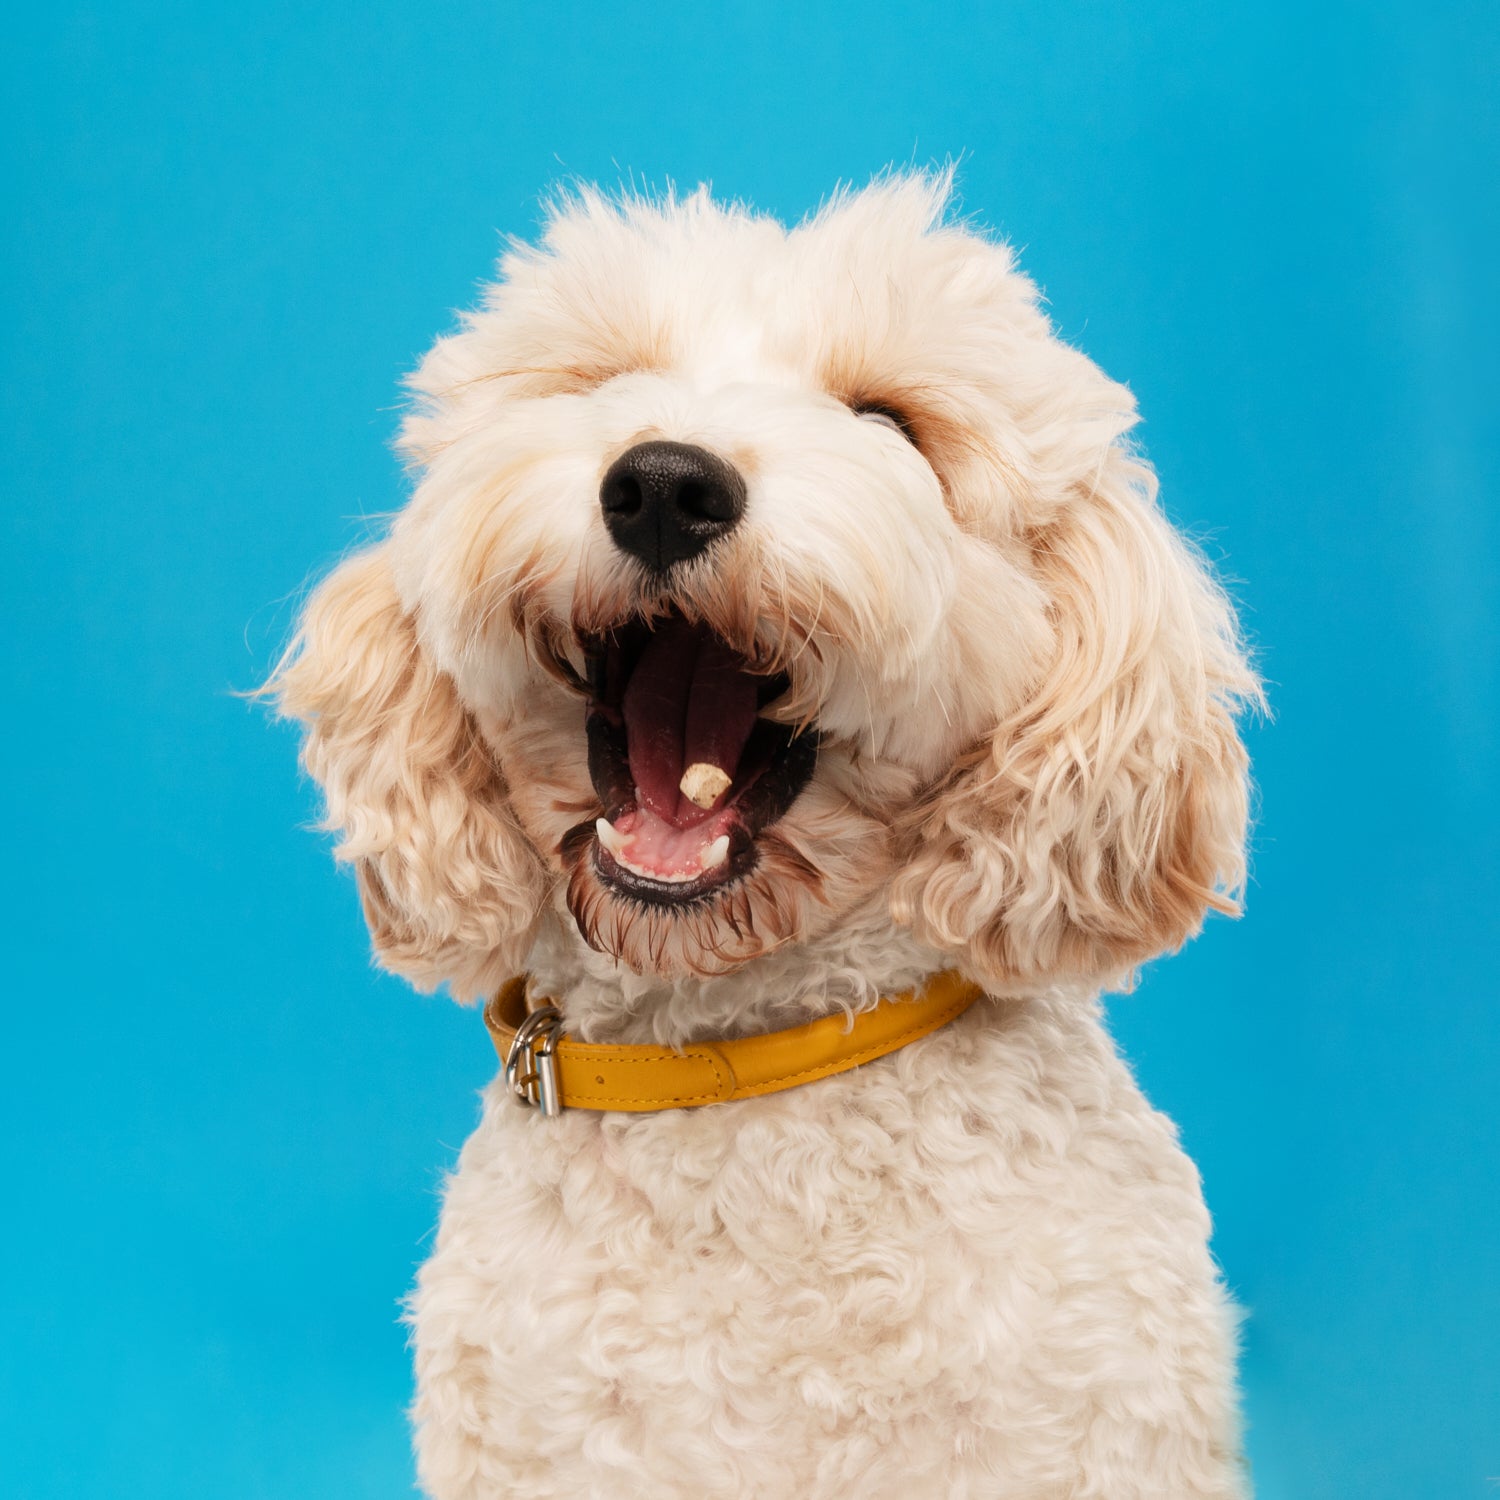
pixel 977 1267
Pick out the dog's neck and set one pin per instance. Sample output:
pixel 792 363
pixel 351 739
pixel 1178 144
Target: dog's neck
pixel 850 968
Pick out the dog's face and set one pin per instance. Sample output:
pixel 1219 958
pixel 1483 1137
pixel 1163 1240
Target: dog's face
pixel 753 576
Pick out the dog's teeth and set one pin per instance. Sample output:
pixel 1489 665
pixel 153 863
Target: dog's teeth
pixel 610 837
pixel 615 842
pixel 703 783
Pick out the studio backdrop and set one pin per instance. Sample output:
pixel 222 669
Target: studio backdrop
pixel 230 230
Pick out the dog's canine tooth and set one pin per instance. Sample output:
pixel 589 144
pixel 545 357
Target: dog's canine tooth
pixel 716 853
pixel 610 837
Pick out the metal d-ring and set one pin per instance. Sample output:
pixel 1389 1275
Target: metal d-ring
pixel 536 1044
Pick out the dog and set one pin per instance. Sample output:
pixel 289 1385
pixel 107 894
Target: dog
pixel 782 624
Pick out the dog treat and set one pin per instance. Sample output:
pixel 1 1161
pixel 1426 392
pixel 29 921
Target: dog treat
pixel 703 783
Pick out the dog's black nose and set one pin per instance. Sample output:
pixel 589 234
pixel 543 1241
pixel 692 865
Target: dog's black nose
pixel 665 502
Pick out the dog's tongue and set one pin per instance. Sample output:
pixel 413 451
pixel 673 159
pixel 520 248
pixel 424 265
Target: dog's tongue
pixel 687 704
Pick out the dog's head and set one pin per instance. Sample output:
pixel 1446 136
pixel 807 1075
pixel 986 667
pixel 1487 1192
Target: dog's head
pixel 753 576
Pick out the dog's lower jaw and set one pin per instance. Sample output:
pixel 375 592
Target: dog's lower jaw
pixel 975 1267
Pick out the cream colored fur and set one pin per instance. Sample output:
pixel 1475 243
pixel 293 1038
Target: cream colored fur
pixel 978 1267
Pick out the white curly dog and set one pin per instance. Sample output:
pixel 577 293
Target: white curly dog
pixel 781 618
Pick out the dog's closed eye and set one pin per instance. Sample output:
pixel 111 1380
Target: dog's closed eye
pixel 887 416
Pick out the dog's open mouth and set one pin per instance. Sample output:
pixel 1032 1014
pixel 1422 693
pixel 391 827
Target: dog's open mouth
pixel 688 771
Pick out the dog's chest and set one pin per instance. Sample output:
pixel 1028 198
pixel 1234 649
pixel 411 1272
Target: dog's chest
pixel 832 1265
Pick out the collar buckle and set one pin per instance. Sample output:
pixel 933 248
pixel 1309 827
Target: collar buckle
pixel 531 1062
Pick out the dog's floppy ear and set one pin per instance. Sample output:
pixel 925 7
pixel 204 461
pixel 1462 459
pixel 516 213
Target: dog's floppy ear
pixel 1099 823
pixel 450 888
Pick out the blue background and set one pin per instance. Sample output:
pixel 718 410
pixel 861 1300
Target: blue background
pixel 227 232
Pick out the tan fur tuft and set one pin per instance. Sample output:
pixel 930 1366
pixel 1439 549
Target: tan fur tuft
pixel 1099 823
pixel 450 887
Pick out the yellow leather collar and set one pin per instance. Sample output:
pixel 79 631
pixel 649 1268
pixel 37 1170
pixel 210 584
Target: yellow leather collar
pixel 550 1069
